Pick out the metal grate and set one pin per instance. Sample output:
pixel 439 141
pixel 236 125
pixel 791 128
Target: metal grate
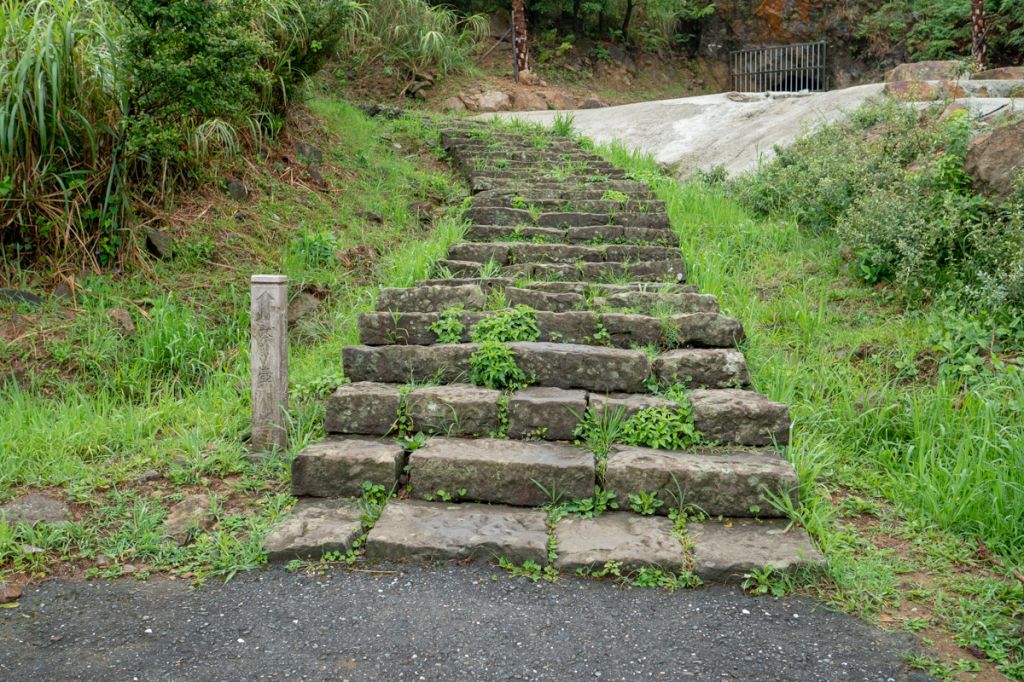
pixel 782 68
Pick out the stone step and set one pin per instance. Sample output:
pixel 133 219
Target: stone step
pixel 521 185
pixel 651 271
pixel 534 194
pixel 313 527
pixel 541 175
pixel 496 164
pixel 470 153
pixel 513 472
pixel 729 417
pixel 338 466
pixel 686 330
pixel 510 253
pixel 562 365
pixel 473 294
pixel 574 235
pixel 630 540
pixel 569 205
pixel 727 551
pixel 717 483
pixel 421 531
pixel 517 216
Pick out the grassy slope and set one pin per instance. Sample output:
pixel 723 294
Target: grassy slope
pixel 104 407
pixel 899 472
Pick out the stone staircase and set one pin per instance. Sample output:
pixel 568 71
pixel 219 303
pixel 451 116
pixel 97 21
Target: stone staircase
pixel 571 286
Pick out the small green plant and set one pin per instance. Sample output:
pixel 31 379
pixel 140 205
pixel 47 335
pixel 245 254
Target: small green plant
pixel 645 503
pixel 518 201
pixel 315 249
pixel 765 580
pixel 530 570
pixel 615 195
pixel 661 427
pixel 414 441
pixel 564 125
pixel 449 327
pixel 588 507
pixel 494 366
pixel 506 326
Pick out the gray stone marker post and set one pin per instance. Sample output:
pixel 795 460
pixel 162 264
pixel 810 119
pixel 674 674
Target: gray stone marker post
pixel 269 361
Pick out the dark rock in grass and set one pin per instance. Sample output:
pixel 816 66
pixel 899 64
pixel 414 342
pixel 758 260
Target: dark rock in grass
pixel 363 407
pixel 21 297
pixel 308 153
pixel 727 551
pixel 302 306
pixel 35 508
pixel 632 540
pixel 159 243
pixel 338 467
pixel 545 412
pixel 314 527
pixel 187 517
pixel 237 189
pixel 123 319
pixel 409 530
pixel 995 160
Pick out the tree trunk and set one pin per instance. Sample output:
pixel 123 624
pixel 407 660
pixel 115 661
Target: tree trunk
pixel 522 54
pixel 979 49
pixel 625 21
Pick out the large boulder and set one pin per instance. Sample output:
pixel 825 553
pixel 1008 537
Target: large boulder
pixel 996 159
pixel 924 71
pixel 490 101
pixel 527 100
pixel 1003 73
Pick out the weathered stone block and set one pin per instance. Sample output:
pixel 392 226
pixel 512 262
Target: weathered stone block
pixel 421 531
pixel 628 403
pixel 338 467
pixel 736 417
pixel 632 540
pixel 401 364
pixel 431 298
pixel 725 552
pixel 383 329
pixel 588 233
pixel 712 367
pixel 314 527
pixel 634 253
pixel 363 407
pixel 501 471
pixel 594 368
pixel 718 484
pixel 456 409
pixel 703 329
pixel 629 330
pixel 540 300
pixel 480 252
pixel 567 327
pixel 554 253
pixel 545 412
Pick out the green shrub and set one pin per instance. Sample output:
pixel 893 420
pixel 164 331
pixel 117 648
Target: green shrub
pixel 174 345
pixel 494 366
pixel 518 324
pixel 315 249
pixel 891 185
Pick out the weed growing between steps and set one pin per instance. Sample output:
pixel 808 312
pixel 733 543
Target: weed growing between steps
pixel 935 460
pixel 125 424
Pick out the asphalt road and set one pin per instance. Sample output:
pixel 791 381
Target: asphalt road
pixel 430 623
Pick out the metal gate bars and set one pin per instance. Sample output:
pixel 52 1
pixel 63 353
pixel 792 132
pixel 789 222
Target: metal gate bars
pixel 780 68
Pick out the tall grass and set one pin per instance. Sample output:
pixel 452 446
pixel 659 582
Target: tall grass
pixel 61 99
pixel 415 36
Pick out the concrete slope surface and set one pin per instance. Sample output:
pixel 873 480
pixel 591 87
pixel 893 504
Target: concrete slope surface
pixel 731 130
pixel 445 622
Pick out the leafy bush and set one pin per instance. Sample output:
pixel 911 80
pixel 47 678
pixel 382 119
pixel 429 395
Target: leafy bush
pixel 891 185
pixel 494 366
pixel 518 324
pixel 662 428
pixel 107 103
